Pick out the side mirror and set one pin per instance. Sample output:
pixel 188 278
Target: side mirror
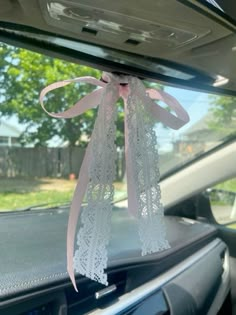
pixel 223 204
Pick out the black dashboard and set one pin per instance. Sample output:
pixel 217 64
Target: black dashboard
pixel 191 277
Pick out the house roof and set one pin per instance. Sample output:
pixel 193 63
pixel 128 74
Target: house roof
pixel 200 125
pixel 8 130
pixel 202 131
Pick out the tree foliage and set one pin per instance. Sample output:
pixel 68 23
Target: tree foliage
pixel 23 74
pixel 223 110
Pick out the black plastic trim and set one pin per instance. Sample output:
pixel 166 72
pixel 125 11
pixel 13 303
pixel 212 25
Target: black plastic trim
pixel 107 65
pixel 193 291
pixel 200 75
pixel 154 304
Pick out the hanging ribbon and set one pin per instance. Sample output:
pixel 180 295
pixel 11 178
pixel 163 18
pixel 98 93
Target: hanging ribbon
pixel 97 172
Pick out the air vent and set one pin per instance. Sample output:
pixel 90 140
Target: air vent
pixel 132 42
pixel 91 294
pixel 89 31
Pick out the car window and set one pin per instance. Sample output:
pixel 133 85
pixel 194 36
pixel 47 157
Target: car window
pixel 40 156
pixel 223 202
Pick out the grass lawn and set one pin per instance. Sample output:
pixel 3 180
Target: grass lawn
pixel 232 226
pixel 229 185
pixel 20 193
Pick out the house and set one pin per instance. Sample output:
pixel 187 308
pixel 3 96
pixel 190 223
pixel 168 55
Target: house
pixel 9 135
pixel 200 137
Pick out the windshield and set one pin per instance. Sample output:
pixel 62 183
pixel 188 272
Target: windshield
pixel 40 157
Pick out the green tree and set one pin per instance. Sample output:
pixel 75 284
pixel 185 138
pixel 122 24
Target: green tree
pixel 23 75
pixel 223 118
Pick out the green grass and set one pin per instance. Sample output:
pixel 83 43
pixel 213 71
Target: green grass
pixel 219 203
pixel 13 201
pixel 231 226
pixel 20 193
pixel 229 185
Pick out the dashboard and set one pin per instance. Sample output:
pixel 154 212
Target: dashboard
pixel 192 277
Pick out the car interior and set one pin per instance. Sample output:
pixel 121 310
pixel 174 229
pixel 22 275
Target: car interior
pixel 188 48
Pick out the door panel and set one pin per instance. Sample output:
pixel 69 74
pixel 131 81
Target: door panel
pixel 217 206
pixel 229 237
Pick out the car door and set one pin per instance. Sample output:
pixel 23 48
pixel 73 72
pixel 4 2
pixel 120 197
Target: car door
pixel 218 205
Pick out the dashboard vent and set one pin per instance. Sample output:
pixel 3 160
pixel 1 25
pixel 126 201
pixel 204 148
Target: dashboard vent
pixel 133 42
pixel 87 297
pixel 89 31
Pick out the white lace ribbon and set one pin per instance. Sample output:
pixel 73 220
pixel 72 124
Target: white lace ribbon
pixel 145 170
pixel 90 258
pixel 97 172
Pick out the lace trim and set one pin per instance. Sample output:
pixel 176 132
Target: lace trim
pixel 144 156
pixel 90 258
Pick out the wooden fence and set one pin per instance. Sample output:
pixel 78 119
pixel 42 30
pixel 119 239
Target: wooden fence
pixel 40 162
pixel 45 162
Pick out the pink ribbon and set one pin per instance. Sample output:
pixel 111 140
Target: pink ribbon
pixel 120 84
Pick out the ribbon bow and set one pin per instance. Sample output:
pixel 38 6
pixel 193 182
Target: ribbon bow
pixel 97 171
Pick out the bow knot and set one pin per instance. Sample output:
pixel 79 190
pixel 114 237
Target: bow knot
pixel 97 172
pixel 120 81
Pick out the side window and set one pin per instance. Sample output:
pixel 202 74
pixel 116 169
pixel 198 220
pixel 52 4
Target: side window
pixel 223 202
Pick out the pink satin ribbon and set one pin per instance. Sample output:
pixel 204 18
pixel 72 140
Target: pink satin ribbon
pixel 91 101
